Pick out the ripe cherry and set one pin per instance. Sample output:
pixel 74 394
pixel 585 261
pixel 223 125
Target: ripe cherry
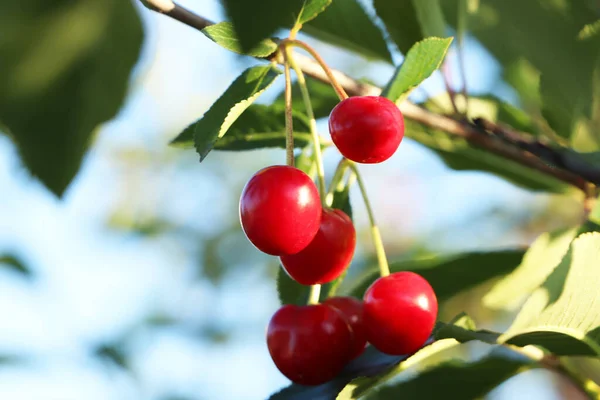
pixel 352 310
pixel 280 210
pixel 399 313
pixel 366 129
pixel 309 344
pixel 329 253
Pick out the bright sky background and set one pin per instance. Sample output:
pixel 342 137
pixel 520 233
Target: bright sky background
pixel 94 284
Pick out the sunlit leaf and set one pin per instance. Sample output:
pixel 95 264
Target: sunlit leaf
pixel 562 315
pixel 421 61
pixel 215 123
pixel 539 262
pixel 224 35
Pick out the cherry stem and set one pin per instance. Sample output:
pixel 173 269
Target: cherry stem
pixel 384 268
pixel 314 295
pixel 289 124
pixel 336 85
pixel 312 125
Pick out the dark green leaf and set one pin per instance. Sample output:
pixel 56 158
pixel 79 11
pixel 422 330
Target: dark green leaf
pixel 15 264
pixel 341 201
pixel 346 24
pixel 254 21
pixel 400 19
pixel 290 291
pixel 431 18
pixel 224 35
pixel 421 61
pixel 544 37
pixel 538 263
pixel 459 379
pixel 112 353
pixel 65 70
pixel 458 154
pixel 563 315
pixel 225 111
pixel 311 9
pixel 322 98
pixel 370 363
pixel 263 126
pixel 451 275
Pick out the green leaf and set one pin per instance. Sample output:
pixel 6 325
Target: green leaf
pixel 458 154
pixel 15 264
pixel 224 35
pixel 311 9
pixel 589 30
pixel 371 363
pixel 563 315
pixel 305 162
pixel 420 62
pixel 65 70
pixel 346 24
pixel 462 329
pixel 254 21
pixel 400 19
pixel 431 18
pixel 290 291
pixel 341 201
pixel 451 274
pixel 322 98
pixel 462 380
pixel 487 106
pixel 544 36
pixel 113 353
pixel 226 110
pixel 538 263
pixel 263 126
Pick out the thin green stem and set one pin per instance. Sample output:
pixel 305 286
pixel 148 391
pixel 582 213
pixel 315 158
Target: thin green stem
pixel 384 268
pixel 315 294
pixel 289 124
pixel 332 80
pixel 312 125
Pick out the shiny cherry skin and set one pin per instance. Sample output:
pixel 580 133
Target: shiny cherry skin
pixel 309 344
pixel 399 313
pixel 329 253
pixel 280 210
pixel 366 129
pixel 352 310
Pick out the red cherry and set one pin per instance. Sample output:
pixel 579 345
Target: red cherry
pixel 366 129
pixel 399 313
pixel 280 210
pixel 329 253
pixel 309 344
pixel 352 310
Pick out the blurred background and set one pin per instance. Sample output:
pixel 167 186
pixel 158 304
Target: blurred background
pixel 139 283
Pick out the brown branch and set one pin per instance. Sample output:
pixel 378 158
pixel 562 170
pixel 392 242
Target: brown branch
pixel 555 163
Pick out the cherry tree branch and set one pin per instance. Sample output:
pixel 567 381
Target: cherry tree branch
pixel 505 142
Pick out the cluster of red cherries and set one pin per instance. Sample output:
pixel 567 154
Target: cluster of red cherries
pixel 281 214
